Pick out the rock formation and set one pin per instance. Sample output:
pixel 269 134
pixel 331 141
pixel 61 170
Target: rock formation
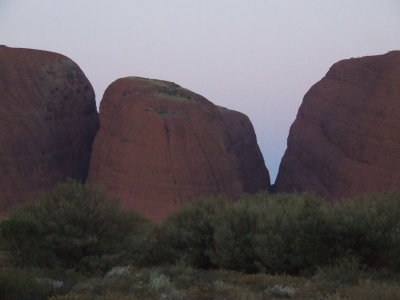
pixel 48 121
pixel 242 139
pixel 346 137
pixel 160 146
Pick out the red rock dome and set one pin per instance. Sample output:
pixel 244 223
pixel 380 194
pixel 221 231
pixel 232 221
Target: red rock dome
pixel 345 140
pixel 48 121
pixel 160 146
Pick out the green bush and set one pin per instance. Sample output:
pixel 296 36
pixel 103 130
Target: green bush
pixel 369 228
pixel 77 227
pixel 187 235
pixel 274 234
pixel 346 270
pixel 21 237
pixel 284 233
pixel 288 233
pixel 18 284
pixel 233 238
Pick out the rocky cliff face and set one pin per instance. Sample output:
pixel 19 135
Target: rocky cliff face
pixel 243 142
pixel 346 137
pixel 48 121
pixel 160 146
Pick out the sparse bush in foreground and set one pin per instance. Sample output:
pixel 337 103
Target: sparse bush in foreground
pixel 274 234
pixel 76 226
pixel 368 290
pixel 369 228
pixel 187 235
pixel 285 233
pixel 16 284
pixel 21 237
pixel 177 282
pixel 79 227
pixel 347 270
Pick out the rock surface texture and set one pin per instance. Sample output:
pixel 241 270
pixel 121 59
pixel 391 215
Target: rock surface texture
pixel 243 141
pixel 345 140
pixel 161 146
pixel 48 121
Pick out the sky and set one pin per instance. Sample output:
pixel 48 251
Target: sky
pixel 258 57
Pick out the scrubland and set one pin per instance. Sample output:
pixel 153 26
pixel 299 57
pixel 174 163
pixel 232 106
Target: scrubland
pixel 77 243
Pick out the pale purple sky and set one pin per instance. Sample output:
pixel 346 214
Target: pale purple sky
pixel 256 56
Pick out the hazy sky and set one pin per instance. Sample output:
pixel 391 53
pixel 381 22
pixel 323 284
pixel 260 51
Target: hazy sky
pixel 256 56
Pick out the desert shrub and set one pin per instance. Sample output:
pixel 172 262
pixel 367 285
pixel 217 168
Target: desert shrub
pixel 19 284
pixel 144 245
pixel 21 237
pixel 369 228
pixel 143 284
pixel 346 270
pixel 187 235
pixel 289 233
pixel 284 233
pixel 368 290
pixel 119 273
pixel 280 291
pixel 77 226
pixel 274 234
pixel 80 227
pixel 233 238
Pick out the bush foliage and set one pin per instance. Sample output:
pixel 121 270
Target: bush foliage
pixel 285 233
pixel 187 236
pixel 18 284
pixel 79 227
pixel 273 234
pixel 74 226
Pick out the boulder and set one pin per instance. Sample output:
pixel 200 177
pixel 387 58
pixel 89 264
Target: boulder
pixel 345 140
pixel 48 121
pixel 161 146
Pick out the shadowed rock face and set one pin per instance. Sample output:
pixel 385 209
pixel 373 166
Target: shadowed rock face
pixel 346 138
pixel 160 146
pixel 48 121
pixel 242 139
